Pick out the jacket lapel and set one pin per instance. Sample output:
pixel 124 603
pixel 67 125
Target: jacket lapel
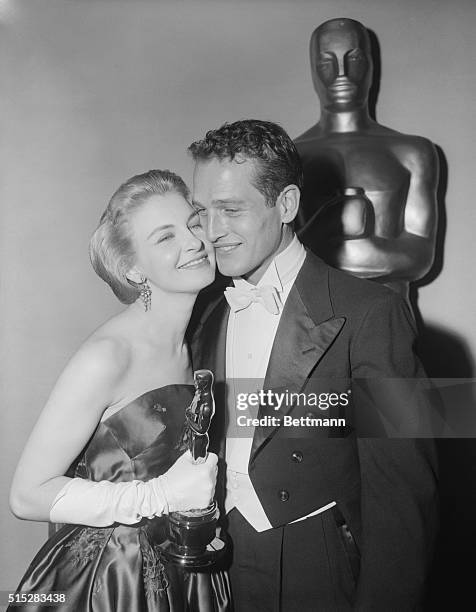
pixel 306 330
pixel 209 352
pixel 209 341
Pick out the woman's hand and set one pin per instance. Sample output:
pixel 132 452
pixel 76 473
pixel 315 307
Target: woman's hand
pixel 188 485
pixel 185 486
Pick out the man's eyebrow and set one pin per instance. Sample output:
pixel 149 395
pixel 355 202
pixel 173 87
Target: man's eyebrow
pixel 219 202
pixel 158 229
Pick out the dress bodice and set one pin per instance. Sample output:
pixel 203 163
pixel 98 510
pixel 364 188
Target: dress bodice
pixel 121 568
pixel 139 441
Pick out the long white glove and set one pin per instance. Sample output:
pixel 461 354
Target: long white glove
pixel 184 486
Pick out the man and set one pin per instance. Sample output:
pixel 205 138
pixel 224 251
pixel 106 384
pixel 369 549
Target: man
pixel 317 522
pixel 369 203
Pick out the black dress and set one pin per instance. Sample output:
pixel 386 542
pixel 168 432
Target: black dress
pixel 121 568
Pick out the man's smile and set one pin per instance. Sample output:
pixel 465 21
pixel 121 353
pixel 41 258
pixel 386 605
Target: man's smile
pixel 226 247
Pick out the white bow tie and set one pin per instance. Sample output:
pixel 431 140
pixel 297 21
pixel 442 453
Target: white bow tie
pixel 241 297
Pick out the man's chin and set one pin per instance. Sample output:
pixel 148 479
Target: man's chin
pixel 228 268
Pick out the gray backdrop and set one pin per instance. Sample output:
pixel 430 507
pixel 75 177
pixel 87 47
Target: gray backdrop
pixel 94 92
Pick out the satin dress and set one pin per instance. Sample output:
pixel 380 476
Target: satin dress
pixel 120 568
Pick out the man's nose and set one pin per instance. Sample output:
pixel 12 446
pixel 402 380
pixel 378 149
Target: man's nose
pixel 215 227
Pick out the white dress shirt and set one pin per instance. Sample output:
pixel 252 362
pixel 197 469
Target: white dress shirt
pixel 250 337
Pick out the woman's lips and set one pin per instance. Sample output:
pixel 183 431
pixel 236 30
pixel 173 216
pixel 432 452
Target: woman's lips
pixel 195 263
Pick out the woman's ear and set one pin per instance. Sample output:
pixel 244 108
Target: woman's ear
pixel 288 203
pixel 135 277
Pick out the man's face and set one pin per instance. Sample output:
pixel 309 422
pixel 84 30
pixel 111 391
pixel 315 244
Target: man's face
pixel 245 232
pixel 341 66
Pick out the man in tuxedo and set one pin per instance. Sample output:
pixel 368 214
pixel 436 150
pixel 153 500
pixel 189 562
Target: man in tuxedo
pixel 320 519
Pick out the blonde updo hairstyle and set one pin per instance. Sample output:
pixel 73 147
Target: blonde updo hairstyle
pixel 110 248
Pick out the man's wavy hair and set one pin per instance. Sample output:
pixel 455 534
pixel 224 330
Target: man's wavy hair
pixel 111 248
pixel 277 162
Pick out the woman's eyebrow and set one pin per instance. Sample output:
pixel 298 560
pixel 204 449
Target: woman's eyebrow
pixel 192 215
pixel 158 229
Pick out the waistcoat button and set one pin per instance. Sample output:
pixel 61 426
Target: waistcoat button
pixel 297 456
pixel 283 495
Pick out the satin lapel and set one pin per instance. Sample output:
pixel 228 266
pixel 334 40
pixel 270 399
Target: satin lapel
pixel 209 344
pixel 299 345
pixel 209 352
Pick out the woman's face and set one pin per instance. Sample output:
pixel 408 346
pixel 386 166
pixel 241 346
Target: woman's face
pixel 170 246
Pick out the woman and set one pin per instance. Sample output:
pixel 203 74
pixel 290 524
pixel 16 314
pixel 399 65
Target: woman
pixel 119 405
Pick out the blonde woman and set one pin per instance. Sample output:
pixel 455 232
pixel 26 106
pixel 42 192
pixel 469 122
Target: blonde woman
pixel 119 406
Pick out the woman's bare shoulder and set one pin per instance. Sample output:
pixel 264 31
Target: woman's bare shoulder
pixel 104 356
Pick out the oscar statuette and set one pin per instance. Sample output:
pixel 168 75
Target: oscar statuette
pixel 192 540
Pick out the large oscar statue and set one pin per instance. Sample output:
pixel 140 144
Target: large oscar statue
pixel 369 200
pixel 192 540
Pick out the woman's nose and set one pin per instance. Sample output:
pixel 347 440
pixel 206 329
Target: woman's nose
pixel 194 242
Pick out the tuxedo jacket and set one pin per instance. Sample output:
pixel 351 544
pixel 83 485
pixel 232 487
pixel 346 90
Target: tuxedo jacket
pixel 334 328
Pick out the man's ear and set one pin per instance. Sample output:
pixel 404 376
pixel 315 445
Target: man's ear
pixel 288 203
pixel 135 276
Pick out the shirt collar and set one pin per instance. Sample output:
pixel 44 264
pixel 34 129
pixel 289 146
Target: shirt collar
pixel 282 270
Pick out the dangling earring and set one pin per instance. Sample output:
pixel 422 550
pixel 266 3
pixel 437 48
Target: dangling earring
pixel 145 294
